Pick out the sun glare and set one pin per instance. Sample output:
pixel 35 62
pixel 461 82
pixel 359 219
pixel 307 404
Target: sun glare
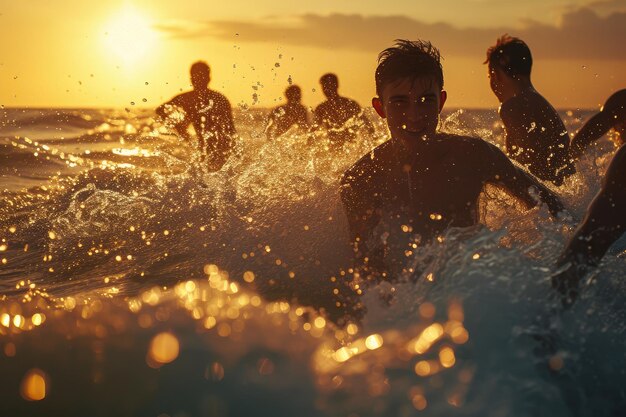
pixel 129 36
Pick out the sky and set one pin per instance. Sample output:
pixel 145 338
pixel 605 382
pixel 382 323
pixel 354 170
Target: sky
pixel 123 53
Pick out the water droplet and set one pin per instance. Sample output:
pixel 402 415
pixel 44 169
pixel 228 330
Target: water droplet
pixel 132 103
pixel 277 64
pixel 144 100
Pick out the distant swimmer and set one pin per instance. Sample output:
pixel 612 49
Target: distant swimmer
pixel 604 223
pixel 612 115
pixel 283 117
pixel 430 180
pixel 210 114
pixel 341 117
pixel 535 134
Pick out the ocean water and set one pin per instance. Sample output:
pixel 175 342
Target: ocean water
pixel 135 283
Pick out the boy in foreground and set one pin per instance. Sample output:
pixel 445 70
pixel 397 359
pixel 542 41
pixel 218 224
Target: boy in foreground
pixel 430 180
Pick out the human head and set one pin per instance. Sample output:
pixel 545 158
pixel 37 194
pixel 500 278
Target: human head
pixel 330 84
pixel 293 94
pixel 510 55
pixel 200 75
pixel 409 85
pixel 408 59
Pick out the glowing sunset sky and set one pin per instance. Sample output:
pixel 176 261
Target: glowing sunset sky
pixel 108 54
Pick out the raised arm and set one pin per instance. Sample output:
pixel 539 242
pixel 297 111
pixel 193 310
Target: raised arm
pixel 501 171
pixel 594 129
pixel 612 115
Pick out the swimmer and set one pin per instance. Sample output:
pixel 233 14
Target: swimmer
pixel 283 117
pixel 535 134
pixel 340 116
pixel 210 114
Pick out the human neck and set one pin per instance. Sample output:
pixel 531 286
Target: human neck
pixel 408 149
pixel 516 87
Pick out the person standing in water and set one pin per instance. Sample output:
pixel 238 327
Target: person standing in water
pixel 340 116
pixel 428 179
pixel 612 115
pixel 283 117
pixel 535 134
pixel 605 219
pixel 210 114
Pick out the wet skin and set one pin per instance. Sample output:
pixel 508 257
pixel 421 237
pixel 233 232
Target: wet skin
pixel 604 223
pixel 535 134
pixel 210 114
pixel 432 179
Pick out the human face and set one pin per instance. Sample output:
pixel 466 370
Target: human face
pixel 412 107
pixel 495 77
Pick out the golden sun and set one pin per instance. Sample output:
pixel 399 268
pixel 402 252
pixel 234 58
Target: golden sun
pixel 129 36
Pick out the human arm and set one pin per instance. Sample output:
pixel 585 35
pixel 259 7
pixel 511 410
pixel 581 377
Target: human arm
pixel 595 128
pixel 603 224
pixel 228 123
pixel 270 125
pixel 517 136
pixel 499 170
pixel 174 115
pixel 303 118
pixel 605 220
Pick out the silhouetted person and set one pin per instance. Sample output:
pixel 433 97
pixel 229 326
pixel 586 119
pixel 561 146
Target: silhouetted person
pixel 283 117
pixel 426 179
pixel 612 115
pixel 210 114
pixel 604 223
pixel 535 134
pixel 341 117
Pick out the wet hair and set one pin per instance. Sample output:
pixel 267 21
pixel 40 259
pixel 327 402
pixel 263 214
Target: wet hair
pixel 329 80
pixel 511 55
pixel 293 93
pixel 408 59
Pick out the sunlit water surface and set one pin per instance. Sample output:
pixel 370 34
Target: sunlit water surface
pixel 135 283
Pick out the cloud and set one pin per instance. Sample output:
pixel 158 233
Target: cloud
pixel 582 34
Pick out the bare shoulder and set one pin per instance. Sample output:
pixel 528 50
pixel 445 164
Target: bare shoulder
pixel 464 144
pixel 218 98
pixel 183 98
pixel 369 165
pixel 514 108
